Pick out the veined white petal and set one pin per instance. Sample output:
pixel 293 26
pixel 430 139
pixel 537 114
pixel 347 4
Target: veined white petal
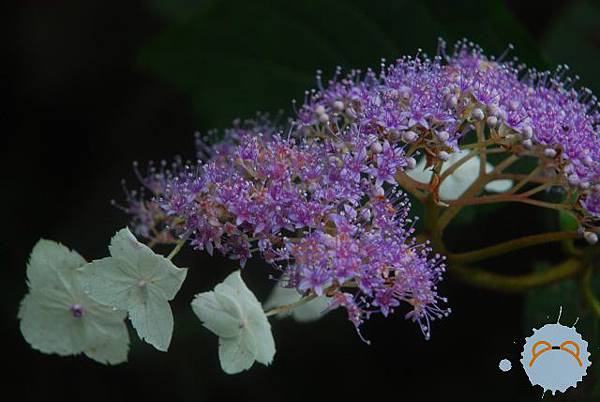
pixel 137 280
pixel 233 313
pixel 461 179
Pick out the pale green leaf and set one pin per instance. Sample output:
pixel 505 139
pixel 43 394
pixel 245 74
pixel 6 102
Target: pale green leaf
pixel 137 280
pixel 234 314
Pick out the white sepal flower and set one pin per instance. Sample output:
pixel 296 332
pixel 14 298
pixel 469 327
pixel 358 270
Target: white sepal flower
pixel 58 317
pixel 137 280
pixel 233 313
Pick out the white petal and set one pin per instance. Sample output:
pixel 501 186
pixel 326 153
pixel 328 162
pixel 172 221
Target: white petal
pixel 497 186
pixel 419 173
pixel 237 354
pixel 51 264
pixel 234 314
pixel 461 179
pixel 47 321
pixel 214 317
pixel 48 325
pixel 139 281
pixel 152 318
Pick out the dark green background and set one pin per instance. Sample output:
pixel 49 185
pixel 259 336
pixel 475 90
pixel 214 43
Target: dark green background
pixel 94 85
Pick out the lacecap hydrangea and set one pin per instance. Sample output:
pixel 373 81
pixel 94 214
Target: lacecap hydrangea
pixel 324 196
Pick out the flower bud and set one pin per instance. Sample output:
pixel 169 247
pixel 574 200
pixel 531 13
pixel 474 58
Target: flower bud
pixel 404 92
pixel 376 147
pixel 477 114
pixel 409 137
pixel 549 153
pixel 338 106
pixel 443 155
pixel 573 180
pixel 453 101
pixel 591 237
pixel 492 121
pixel 442 135
pixel 527 132
pixel 324 118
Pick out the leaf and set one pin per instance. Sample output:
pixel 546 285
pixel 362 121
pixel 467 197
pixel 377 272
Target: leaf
pixel 308 312
pixel 58 317
pixel 233 313
pixel 137 280
pixel 542 304
pixel 239 56
pixel 178 10
pixel 494 32
pixel 566 221
pixel 574 39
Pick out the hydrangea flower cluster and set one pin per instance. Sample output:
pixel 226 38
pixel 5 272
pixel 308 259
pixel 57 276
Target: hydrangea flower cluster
pixel 320 199
pixel 317 210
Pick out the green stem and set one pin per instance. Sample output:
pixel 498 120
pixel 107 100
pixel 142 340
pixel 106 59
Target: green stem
pixel 480 128
pixel 177 248
pixel 511 245
pixel 498 198
pixel 411 185
pixel 458 164
pixel 291 306
pixel 588 291
pixel 526 179
pixel 518 283
pixel 472 191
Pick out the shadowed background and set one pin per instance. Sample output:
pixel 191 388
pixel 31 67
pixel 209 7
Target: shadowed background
pixel 93 86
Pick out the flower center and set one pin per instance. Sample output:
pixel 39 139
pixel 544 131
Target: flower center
pixel 77 310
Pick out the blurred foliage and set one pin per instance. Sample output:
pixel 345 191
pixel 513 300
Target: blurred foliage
pixel 566 221
pixel 574 39
pixel 235 57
